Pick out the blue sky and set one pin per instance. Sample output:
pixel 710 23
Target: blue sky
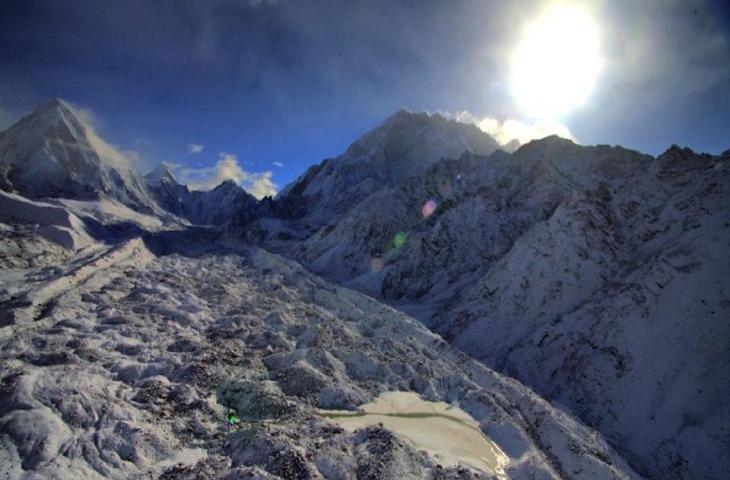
pixel 290 82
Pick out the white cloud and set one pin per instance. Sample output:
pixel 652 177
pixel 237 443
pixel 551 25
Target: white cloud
pixel 505 131
pixel 258 184
pixel 195 148
pixel 262 186
pixel 277 164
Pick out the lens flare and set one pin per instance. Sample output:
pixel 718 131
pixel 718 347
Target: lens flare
pixel 428 208
pixel 399 239
pixel 376 264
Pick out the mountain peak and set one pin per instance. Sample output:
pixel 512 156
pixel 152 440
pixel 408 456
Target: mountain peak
pixel 56 108
pixel 675 149
pixel 54 118
pixel 555 140
pixel 400 132
pixel 549 143
pixel 227 184
pixel 160 174
pixel 54 103
pixel 403 116
pixel 406 144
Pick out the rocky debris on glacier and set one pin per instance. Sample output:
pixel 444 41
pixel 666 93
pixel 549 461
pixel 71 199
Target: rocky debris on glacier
pixel 128 372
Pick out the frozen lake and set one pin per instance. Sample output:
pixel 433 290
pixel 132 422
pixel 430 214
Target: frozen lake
pixel 448 433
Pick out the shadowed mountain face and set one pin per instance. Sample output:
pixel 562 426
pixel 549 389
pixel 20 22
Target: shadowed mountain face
pixel 595 275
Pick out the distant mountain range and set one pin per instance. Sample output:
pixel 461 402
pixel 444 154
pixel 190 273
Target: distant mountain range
pixel 596 275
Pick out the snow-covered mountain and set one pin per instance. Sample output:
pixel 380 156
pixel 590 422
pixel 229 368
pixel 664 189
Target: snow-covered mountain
pixel 52 153
pixel 403 147
pixel 597 275
pixel 121 360
pixel 352 204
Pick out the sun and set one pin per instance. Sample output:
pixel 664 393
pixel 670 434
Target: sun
pixel 556 63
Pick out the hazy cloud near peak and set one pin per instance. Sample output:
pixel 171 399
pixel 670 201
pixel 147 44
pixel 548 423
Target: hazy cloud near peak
pixel 195 148
pixel 277 164
pixel 507 130
pixel 258 184
pixel 262 186
pixel 119 156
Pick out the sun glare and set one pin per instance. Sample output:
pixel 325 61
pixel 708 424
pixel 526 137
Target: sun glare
pixel 556 64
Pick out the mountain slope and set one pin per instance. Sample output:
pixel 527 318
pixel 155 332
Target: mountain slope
pixel 598 276
pixel 594 274
pixel 615 307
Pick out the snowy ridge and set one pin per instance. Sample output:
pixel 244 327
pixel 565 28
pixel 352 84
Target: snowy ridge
pixel 51 222
pixel 34 300
pixel 612 306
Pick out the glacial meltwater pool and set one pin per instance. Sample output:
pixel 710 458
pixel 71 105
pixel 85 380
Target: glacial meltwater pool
pixel 446 432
